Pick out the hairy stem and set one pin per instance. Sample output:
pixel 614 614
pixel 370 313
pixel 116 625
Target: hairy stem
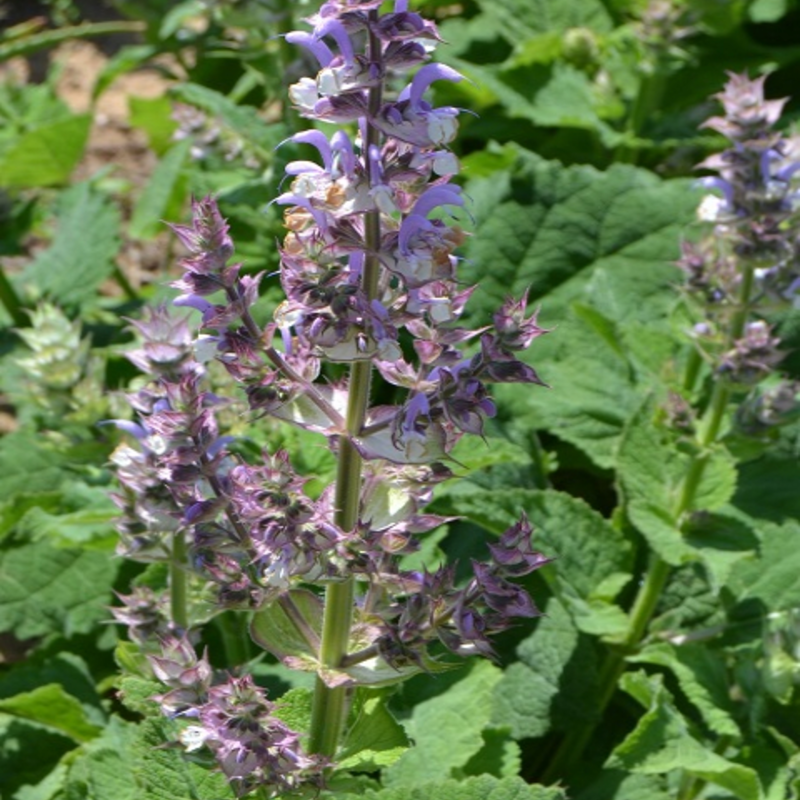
pixel 329 706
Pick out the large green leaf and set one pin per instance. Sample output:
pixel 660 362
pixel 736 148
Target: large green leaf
pixel 44 589
pixel 652 471
pixel 374 739
pixel 587 549
pixel 773 577
pixel 447 729
pixel 51 707
pixel 554 684
pixel 701 674
pixel 82 254
pixel 574 235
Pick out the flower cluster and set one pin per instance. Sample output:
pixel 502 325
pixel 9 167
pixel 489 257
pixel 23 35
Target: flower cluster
pixel 748 261
pixel 369 269
pixel 233 718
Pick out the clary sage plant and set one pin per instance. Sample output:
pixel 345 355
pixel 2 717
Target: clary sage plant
pixel 370 274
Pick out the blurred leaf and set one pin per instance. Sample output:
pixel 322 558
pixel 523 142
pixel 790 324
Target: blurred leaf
pixel 53 708
pixel 82 254
pixel 767 10
pixel 126 59
pixel 47 154
pixel 242 120
pixel 153 115
pixel 521 19
pixel 163 196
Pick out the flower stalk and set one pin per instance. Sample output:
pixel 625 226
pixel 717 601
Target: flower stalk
pixel 368 256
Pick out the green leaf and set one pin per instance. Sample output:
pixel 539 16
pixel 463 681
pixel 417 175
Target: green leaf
pixel 721 540
pixel 576 235
pixel 46 154
pixel 126 59
pixel 51 590
pixel 53 708
pixel 374 739
pixel 614 783
pixel 652 472
pixel 163 195
pixel 28 466
pixel 663 741
pixel 584 559
pixel 65 669
pixel 553 686
pixel 153 115
pixel 545 224
pixel 767 10
pixel 164 773
pixel 275 631
pixel 774 576
pixel 28 753
pixel 483 787
pixel 701 674
pixel 767 489
pixel 82 254
pixel 447 730
pixel 104 769
pixel 294 709
pixel 137 694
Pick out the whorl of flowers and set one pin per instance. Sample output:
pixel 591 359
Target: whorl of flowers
pixel 369 269
pixel 748 261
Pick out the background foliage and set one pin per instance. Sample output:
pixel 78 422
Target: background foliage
pixel 578 161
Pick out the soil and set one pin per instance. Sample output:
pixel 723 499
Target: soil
pixel 112 140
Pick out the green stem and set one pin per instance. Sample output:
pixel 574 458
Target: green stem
pixel 693 364
pixel 658 572
pixel 651 90
pixel 329 706
pixel 177 582
pixel 235 640
pixel 127 287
